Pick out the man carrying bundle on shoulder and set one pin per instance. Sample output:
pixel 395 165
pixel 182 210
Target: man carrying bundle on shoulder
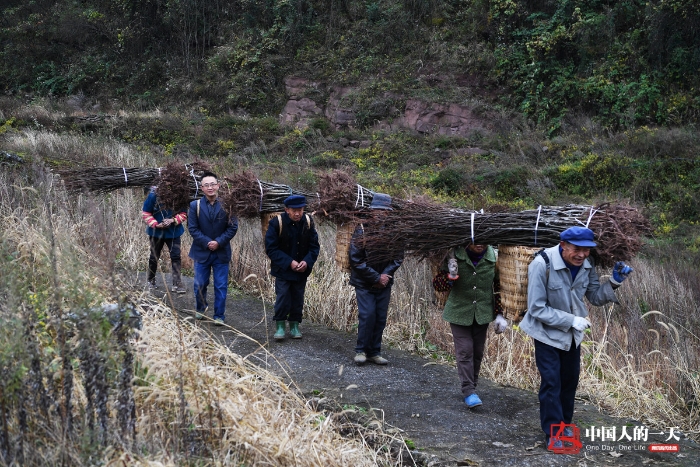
pixel 558 280
pixel 291 242
pixel 471 306
pixel 164 227
pixel 212 230
pixel 372 275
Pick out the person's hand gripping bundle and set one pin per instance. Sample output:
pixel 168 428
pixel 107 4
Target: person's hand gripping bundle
pixel 620 273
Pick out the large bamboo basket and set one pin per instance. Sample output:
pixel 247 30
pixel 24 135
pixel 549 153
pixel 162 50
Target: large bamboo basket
pixel 265 218
pixel 512 265
pixel 343 237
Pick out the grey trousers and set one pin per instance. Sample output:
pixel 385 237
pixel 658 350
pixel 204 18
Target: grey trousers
pixel 469 351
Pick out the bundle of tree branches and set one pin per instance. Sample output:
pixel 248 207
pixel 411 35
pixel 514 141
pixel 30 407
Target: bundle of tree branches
pixel 422 228
pixel 180 183
pixel 340 196
pixel 247 196
pixel 107 179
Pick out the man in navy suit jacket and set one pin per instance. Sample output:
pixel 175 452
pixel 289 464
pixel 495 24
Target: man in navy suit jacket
pixel 212 230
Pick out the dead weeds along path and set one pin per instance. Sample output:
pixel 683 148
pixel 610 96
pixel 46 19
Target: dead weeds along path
pixel 422 399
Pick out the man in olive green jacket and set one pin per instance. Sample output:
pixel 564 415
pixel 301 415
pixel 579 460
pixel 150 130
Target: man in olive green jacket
pixel 469 309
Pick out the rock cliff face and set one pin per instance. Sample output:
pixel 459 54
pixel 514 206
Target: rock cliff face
pixel 417 115
pixel 443 119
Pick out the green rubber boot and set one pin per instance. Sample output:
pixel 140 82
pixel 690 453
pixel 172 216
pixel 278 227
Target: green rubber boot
pixel 280 333
pixel 294 331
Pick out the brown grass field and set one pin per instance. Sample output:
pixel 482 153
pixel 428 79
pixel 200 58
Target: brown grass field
pixel 196 399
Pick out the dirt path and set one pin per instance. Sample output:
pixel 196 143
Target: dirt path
pixel 424 401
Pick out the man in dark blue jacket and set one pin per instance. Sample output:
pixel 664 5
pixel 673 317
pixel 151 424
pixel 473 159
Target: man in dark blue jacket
pixel 164 228
pixel 291 242
pixel 212 230
pixel 372 276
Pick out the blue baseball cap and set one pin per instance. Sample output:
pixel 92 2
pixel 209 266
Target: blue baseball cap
pixel 579 236
pixel 295 201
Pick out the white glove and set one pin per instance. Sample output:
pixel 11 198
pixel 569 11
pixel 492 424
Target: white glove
pixel 580 324
pixel 452 268
pixel 500 324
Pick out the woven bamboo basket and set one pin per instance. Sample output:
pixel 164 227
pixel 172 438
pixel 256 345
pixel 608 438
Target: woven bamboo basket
pixel 440 297
pixel 265 218
pixel 512 269
pixel 343 236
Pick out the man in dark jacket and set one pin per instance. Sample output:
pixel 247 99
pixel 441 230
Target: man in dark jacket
pixel 291 242
pixel 212 230
pixel 164 227
pixel 372 276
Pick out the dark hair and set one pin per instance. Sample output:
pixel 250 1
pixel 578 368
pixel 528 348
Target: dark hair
pixel 209 174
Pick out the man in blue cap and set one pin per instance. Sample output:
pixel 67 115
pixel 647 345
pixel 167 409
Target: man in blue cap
pixel 372 275
pixel 558 279
pixel 291 242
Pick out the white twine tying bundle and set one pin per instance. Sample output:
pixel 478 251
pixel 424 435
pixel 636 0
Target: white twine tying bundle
pixel 472 222
pixel 539 211
pixel 196 183
pixel 126 179
pixel 359 196
pixel 261 194
pixel 590 216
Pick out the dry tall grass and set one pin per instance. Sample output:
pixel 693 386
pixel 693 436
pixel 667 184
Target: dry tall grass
pixel 640 359
pixel 236 413
pixel 196 401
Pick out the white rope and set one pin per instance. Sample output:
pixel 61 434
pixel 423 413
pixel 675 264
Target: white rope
pixel 126 179
pixel 473 228
pixel 357 199
pixel 593 211
pixel 196 183
pixel 539 211
pixel 261 193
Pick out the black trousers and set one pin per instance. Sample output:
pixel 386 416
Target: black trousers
pixel 157 244
pixel 290 299
pixel 372 311
pixel 559 373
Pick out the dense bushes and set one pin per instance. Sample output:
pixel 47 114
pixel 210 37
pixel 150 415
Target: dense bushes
pixel 627 63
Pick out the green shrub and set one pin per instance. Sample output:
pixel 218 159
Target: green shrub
pixel 450 181
pixel 512 183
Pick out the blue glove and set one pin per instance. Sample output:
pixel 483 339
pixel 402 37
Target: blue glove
pixel 620 272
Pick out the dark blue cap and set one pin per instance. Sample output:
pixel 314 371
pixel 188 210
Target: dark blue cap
pixel 579 236
pixel 295 201
pixel 381 201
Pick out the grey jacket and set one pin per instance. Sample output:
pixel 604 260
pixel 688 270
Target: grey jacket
pixel 553 302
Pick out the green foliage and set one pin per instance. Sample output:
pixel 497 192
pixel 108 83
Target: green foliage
pixel 594 173
pixel 328 160
pixel 510 183
pixel 449 181
pixel 590 56
pixel 320 124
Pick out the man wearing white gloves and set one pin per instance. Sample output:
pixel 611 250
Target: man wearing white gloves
pixel 469 309
pixel 558 279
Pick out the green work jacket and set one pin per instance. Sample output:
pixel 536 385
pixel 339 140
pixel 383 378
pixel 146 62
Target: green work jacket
pixel 471 296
